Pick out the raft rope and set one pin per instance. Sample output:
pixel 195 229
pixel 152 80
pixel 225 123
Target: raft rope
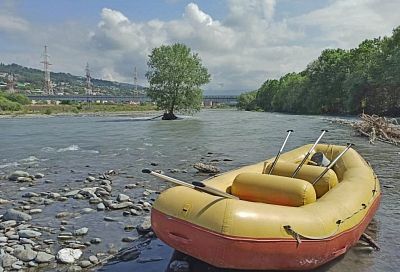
pixel 298 236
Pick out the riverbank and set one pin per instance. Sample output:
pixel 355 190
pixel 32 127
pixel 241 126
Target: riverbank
pixel 87 109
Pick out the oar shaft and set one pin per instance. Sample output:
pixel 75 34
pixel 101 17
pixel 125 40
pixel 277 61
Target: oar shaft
pixel 308 154
pixel 332 163
pixel 196 185
pixel 173 180
pixel 280 151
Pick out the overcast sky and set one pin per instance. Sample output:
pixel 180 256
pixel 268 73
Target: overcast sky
pixel 241 42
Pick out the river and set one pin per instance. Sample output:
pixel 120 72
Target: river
pixel 66 149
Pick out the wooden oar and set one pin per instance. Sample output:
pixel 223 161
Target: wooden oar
pixel 194 185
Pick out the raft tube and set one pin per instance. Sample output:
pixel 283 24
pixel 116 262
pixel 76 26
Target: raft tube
pixel 294 226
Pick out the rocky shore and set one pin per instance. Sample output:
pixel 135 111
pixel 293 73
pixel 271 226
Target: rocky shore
pixel 62 244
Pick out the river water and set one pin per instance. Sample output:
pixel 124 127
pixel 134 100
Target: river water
pixel 66 149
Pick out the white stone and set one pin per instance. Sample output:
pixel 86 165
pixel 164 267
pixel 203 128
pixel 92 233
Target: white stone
pixel 68 255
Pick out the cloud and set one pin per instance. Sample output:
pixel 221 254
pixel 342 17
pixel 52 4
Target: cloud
pixel 253 41
pixel 10 23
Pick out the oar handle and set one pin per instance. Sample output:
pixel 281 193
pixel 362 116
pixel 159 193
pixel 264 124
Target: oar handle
pixel 194 185
pixel 308 154
pixel 280 151
pixel 349 145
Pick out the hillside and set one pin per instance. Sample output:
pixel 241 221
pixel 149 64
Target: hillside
pixel 29 80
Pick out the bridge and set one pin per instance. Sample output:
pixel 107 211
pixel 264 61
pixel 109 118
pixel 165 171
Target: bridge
pixel 207 99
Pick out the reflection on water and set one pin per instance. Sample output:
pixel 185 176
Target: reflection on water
pixel 65 148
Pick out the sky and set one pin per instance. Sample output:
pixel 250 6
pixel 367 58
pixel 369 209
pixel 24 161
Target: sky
pixel 241 42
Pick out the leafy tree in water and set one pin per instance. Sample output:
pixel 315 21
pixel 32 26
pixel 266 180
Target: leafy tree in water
pixel 175 76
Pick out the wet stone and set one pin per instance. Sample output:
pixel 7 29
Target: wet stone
pixel 68 255
pixel 129 239
pixel 85 263
pixel 95 241
pixel 123 198
pixel 101 207
pixel 39 175
pixel 12 214
pixel 17 174
pixel 93 259
pixel 26 254
pixel 179 266
pixel 29 234
pixel 81 231
pixel 43 257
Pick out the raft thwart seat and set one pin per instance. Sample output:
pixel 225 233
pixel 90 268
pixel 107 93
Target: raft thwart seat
pixel 308 173
pixel 273 189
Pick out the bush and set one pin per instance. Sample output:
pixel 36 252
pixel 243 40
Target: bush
pixel 48 111
pixel 19 98
pixel 7 105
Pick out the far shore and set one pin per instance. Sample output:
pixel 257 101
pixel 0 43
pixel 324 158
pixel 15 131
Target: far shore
pixel 149 113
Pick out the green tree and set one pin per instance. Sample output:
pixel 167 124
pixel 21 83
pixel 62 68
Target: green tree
pixel 247 101
pixel 175 76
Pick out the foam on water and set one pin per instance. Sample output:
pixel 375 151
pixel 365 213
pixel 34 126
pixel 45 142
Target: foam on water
pixel 69 148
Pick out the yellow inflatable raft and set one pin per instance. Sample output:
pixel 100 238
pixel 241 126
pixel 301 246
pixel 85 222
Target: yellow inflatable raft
pixel 277 222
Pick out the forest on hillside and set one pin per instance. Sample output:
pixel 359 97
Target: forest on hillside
pixel 366 78
pixel 73 83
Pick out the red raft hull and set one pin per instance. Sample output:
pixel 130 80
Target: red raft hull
pixel 254 254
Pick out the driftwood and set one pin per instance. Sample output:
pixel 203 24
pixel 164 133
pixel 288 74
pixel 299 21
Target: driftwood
pixel 206 168
pixel 378 128
pixel 365 237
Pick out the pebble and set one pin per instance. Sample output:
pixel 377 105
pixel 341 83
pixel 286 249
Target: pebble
pixel 8 224
pixel 87 210
pixel 109 219
pixel 29 234
pixel 63 214
pixel 30 194
pixel 4 201
pixel 74 268
pixel 93 259
pixel 101 207
pixel 81 231
pixel 90 178
pixel 129 239
pixel 85 263
pixel 179 266
pixel 35 211
pixel 123 198
pixel 8 260
pixel 95 241
pixel 39 175
pixel 43 257
pixel 15 175
pixel 26 254
pixel 95 200
pixel 130 186
pixel 145 226
pixel 24 179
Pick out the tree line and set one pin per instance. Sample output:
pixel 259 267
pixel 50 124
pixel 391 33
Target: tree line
pixel 363 79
